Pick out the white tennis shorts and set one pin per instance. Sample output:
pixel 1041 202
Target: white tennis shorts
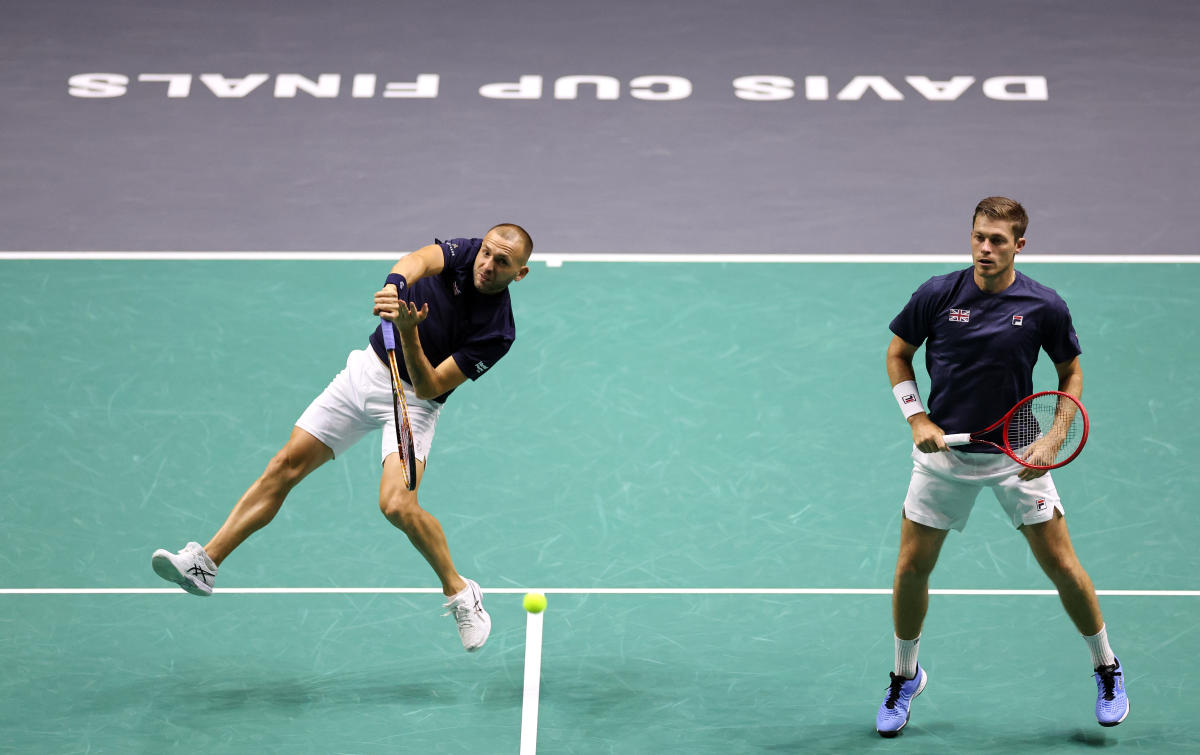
pixel 944 487
pixel 359 400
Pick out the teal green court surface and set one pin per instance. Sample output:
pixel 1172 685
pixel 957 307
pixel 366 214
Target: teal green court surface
pixel 700 463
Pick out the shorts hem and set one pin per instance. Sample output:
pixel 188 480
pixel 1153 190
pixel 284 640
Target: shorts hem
pixel 1056 507
pixel 423 460
pixel 318 435
pixel 916 517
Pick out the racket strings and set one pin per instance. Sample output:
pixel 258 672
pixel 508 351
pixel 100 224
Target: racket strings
pixel 1051 417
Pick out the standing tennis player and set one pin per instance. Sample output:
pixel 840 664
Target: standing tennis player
pixel 983 328
pixel 450 305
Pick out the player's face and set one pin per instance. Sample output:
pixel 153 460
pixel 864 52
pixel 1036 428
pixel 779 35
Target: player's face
pixel 499 263
pixel 993 249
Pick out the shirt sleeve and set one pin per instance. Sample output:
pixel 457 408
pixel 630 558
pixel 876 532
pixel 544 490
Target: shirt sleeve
pixel 454 254
pixel 1059 340
pixel 477 357
pixel 912 324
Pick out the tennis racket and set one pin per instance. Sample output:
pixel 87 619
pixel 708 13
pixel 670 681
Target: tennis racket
pixel 1044 431
pixel 404 439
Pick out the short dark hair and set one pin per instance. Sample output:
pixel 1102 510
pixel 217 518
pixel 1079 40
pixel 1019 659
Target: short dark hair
pixel 1003 208
pixel 514 232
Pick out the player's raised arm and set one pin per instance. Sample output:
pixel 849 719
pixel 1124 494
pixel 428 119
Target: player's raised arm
pixel 409 269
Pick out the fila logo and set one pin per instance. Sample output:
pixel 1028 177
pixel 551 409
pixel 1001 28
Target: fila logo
pixel 908 398
pixel 960 315
pixel 1040 504
pixel 1018 319
pixel 480 368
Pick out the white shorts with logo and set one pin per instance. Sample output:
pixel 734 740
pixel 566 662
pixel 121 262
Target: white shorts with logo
pixel 944 487
pixel 359 400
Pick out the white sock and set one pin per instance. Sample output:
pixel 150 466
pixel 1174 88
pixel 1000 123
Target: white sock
pixel 906 657
pixel 1102 654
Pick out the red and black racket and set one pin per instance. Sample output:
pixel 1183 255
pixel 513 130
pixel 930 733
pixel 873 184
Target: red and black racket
pixel 404 439
pixel 1043 431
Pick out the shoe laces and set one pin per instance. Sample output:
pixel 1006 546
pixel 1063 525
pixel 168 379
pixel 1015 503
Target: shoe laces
pixel 1108 680
pixel 894 690
pixel 463 610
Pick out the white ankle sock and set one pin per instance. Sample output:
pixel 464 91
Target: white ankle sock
pixel 906 657
pixel 1102 654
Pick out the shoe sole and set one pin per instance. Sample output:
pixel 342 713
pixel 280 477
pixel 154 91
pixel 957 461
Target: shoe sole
pixel 920 689
pixel 165 568
pixel 1119 720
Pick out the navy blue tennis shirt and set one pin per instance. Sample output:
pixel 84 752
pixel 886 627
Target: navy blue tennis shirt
pixel 980 348
pixel 475 329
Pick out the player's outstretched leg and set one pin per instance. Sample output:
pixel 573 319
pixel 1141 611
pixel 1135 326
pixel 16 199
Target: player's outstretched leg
pixel 190 568
pixel 464 598
pixel 1112 704
pixel 893 713
pixel 474 623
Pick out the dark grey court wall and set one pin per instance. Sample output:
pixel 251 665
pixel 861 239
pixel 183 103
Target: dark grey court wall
pixel 1105 157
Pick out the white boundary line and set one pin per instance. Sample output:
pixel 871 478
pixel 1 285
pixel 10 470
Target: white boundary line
pixel 533 683
pixel 568 591
pixel 557 260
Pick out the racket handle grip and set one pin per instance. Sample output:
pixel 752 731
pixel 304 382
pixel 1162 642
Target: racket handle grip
pixel 389 334
pixel 957 439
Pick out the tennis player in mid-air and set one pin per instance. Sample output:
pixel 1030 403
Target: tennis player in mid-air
pixel 983 328
pixel 450 305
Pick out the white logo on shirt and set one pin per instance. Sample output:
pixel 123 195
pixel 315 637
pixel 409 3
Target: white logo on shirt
pixel 1018 319
pixel 480 368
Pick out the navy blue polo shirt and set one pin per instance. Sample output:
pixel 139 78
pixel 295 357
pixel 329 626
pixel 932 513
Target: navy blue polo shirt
pixel 980 348
pixel 475 329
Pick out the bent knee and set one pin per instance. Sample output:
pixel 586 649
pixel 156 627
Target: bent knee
pixel 400 509
pixel 286 469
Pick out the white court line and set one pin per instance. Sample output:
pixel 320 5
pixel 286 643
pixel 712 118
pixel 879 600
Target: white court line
pixel 533 683
pixel 552 259
pixel 568 591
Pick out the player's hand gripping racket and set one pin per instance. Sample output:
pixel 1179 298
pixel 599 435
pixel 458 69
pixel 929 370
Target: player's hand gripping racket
pixel 404 439
pixel 1043 431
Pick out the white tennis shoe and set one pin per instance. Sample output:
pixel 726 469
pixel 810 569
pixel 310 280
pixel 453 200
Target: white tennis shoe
pixel 474 624
pixel 190 568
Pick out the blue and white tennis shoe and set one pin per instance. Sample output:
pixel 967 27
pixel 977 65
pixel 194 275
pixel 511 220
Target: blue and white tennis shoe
pixel 1112 704
pixel 893 714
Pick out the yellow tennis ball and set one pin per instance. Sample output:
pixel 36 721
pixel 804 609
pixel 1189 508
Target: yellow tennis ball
pixel 534 602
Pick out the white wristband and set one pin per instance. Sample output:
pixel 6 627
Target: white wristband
pixel 908 398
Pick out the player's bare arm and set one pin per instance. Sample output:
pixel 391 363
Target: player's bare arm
pixel 927 436
pixel 428 381
pixel 1070 377
pixel 1045 449
pixel 426 261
